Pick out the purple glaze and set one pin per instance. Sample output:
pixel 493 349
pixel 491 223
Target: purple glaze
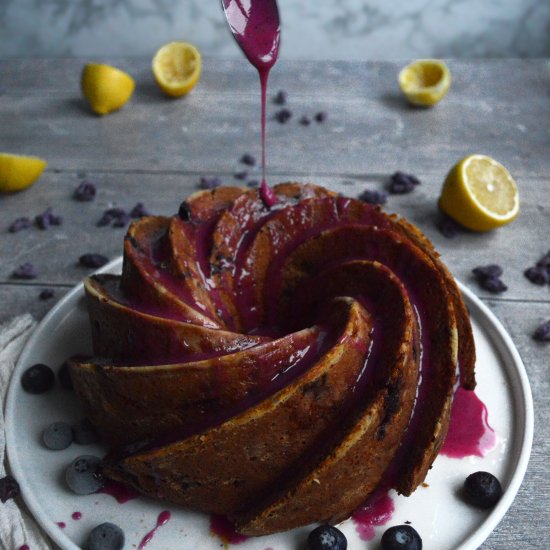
pixel 25 547
pixel 61 524
pixel 256 28
pixel 162 519
pixel 76 515
pixel 377 510
pixel 225 530
pixel 469 431
pixel 117 490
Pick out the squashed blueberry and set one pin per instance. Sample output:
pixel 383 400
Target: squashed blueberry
pixel 321 116
pixel 280 98
pixel 482 489
pixel 283 115
pixel 83 475
pixel 85 192
pixel 117 217
pixel 401 183
pixel 19 224
pixel 372 196
pixel 248 159
pixel 85 433
pixel 46 294
pixel 487 271
pixel 139 211
pixel 305 121
pixel 538 275
pixel 92 260
pixel 25 271
pixel 326 537
pixel 448 227
pixel 38 379
pixel 47 219
pixel 209 183
pixel 240 175
pixel 401 537
pixel 9 488
pixel 106 536
pixel 57 436
pixel 542 333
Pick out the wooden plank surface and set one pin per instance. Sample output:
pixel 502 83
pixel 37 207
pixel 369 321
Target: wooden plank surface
pixel 155 150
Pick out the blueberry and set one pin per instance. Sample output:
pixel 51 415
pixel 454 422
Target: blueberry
pixel 326 537
pixel 58 436
pixel 305 121
pixel 321 116
pixel 401 537
pixel 283 115
pixel 85 433
pixel 38 379
pixel 209 183
pixel 106 536
pixel 139 211
pixel 372 196
pixel 280 98
pixel 448 227
pixel 9 488
pixel 487 271
pixel 482 489
pixel 184 212
pixel 248 159
pixel 83 475
pixel 542 333
pixel 538 275
pixel 92 260
pixel 85 192
pixel 19 224
pixel 25 271
pixel 46 294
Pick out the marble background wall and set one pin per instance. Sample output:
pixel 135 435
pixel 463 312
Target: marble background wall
pixel 314 29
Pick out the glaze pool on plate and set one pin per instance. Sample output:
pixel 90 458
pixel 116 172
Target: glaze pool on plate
pixel 441 518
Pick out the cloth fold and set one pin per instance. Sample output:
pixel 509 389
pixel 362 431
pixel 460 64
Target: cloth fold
pixel 16 525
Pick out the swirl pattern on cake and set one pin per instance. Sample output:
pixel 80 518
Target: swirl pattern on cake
pixel 276 364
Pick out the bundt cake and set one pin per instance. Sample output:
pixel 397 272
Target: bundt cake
pixel 275 363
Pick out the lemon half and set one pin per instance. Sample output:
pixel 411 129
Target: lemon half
pixel 106 88
pixel 480 194
pixel 18 172
pixel 177 68
pixel 425 82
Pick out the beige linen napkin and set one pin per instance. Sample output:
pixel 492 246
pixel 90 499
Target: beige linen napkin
pixel 16 525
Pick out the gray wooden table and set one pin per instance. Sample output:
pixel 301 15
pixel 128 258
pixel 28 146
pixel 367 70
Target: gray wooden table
pixel 155 150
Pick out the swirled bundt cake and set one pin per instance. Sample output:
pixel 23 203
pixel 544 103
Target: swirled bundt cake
pixel 275 363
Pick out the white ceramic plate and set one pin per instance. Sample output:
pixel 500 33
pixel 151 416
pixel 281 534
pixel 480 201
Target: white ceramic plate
pixel 441 518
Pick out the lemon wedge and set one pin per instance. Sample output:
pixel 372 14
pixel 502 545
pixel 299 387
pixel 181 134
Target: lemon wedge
pixel 177 68
pixel 18 172
pixel 106 88
pixel 425 82
pixel 480 194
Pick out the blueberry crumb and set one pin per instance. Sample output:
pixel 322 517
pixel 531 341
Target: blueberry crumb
pixel 253 183
pixel 116 217
pixel 448 227
pixel 46 294
pixel 283 115
pixel 280 98
pixel 401 183
pixel 139 211
pixel 538 275
pixel 209 182
pixel 305 121
pixel 47 219
pixel 240 175
pixel 248 159
pixel 321 116
pixel 19 224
